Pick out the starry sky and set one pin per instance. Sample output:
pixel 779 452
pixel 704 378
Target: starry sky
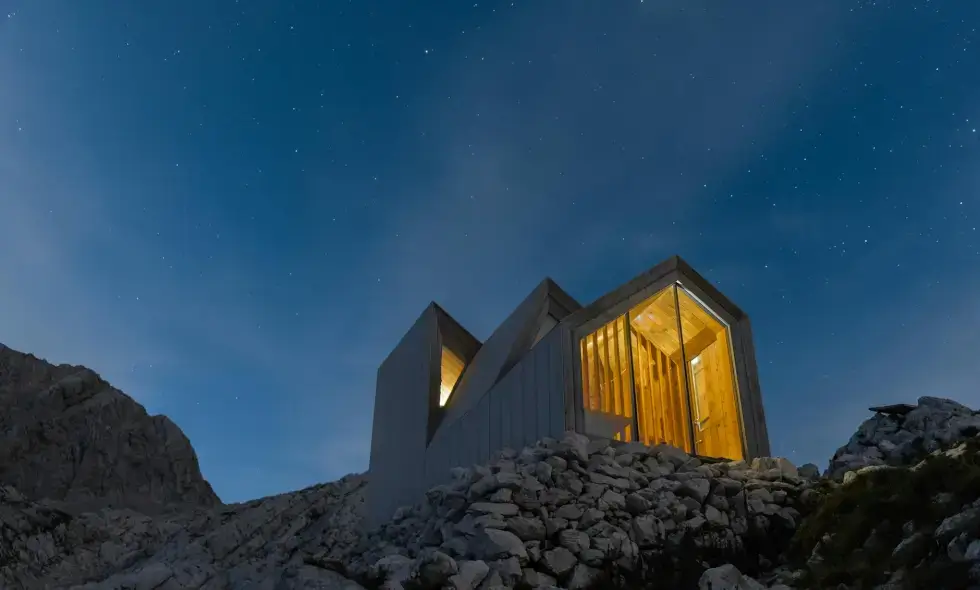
pixel 232 210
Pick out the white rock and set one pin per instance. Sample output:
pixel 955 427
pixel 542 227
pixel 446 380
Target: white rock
pixel 727 577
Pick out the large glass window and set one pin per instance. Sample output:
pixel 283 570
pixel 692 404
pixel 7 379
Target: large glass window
pixel 661 398
pixel 711 380
pixel 639 382
pixel 452 368
pixel 606 382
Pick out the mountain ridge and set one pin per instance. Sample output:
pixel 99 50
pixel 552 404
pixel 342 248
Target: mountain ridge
pixel 69 436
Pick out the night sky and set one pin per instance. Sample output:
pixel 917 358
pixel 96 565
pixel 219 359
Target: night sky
pixel 232 210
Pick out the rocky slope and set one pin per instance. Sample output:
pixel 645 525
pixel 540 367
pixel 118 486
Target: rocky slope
pixel 899 507
pixel 577 513
pixel 68 436
pixel 901 434
pixel 257 544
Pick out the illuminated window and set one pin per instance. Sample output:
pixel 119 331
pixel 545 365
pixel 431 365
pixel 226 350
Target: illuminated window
pixel 452 368
pixel 606 382
pixel 661 399
pixel 711 379
pixel 685 396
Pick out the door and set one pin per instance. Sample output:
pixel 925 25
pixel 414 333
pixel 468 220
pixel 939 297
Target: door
pixel 711 380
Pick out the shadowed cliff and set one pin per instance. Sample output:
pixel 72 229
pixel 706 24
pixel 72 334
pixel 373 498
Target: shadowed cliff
pixel 67 435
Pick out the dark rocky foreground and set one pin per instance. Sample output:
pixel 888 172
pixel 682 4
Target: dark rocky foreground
pixel 96 494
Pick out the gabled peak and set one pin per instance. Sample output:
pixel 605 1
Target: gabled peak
pixel 560 303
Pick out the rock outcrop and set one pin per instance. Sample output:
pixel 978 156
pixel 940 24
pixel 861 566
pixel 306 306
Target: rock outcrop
pixel 900 434
pixel 902 506
pixel 257 544
pixel 68 436
pixel 899 507
pixel 892 528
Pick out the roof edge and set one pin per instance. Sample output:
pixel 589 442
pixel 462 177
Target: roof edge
pixel 456 323
pixel 714 294
pixel 560 296
pixel 427 310
pixel 673 266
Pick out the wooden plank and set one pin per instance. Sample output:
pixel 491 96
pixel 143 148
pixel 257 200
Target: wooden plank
pixel 455 453
pixel 516 410
pixel 617 370
pixel 586 373
pixel 467 439
pixel 436 463
pixel 503 392
pixel 530 423
pixel 483 430
pixel 668 411
pixel 556 387
pixel 495 439
pixel 595 370
pixel 603 370
pixel 541 359
pixel 573 386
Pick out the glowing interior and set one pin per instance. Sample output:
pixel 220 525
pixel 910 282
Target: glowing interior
pixel 685 396
pixel 452 368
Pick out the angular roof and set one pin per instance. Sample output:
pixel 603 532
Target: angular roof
pixel 542 309
pixel 673 269
pixel 508 344
pixel 454 335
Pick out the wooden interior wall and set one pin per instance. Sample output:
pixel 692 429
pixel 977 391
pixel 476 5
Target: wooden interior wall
pixel 650 360
pixel 660 397
pixel 720 435
pixel 606 377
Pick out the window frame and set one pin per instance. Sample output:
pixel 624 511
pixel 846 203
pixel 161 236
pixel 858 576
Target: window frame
pixel 627 298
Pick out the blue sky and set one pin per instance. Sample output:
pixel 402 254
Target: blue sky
pixel 232 210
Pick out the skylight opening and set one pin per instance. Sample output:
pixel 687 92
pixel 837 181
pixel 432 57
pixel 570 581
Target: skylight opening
pixel 452 368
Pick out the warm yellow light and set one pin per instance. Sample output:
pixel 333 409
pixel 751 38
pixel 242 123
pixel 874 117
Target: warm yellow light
pixel 452 368
pixel 444 392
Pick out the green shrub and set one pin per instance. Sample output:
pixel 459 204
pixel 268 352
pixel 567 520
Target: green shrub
pixel 858 525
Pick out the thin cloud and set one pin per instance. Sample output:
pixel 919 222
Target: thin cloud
pixel 498 214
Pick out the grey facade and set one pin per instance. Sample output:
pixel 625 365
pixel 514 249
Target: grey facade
pixel 526 382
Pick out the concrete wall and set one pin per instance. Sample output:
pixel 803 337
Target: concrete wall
pixel 406 382
pixel 526 405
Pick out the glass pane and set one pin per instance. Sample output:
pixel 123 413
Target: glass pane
pixel 606 392
pixel 711 380
pixel 452 368
pixel 661 399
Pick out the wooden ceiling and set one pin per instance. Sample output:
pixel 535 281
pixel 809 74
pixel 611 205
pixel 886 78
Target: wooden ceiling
pixel 656 320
